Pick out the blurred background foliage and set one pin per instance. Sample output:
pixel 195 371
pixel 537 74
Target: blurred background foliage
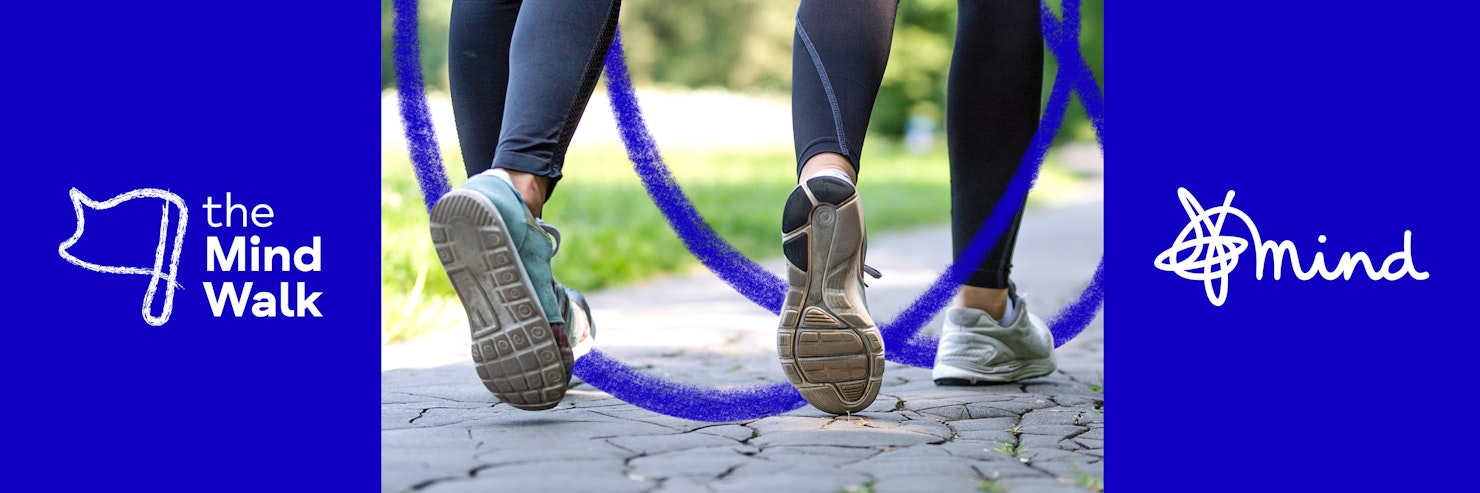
pixel 688 58
pixel 745 46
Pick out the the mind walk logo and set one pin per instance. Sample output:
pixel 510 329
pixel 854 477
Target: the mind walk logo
pixel 1201 252
pixel 241 257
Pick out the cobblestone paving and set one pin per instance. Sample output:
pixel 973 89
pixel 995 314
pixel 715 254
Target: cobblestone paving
pixel 442 432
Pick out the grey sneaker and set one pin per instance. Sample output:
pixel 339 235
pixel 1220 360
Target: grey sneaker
pixel 524 325
pixel 830 349
pixel 975 349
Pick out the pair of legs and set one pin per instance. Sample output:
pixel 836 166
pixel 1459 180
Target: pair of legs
pixel 992 108
pixel 829 346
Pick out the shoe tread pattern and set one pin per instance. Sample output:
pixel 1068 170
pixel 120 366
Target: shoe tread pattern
pixel 516 352
pixel 830 349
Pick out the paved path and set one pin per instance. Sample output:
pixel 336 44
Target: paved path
pixel 442 432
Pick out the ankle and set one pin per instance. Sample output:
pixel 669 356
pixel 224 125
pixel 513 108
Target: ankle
pixel 532 188
pixel 993 301
pixel 831 162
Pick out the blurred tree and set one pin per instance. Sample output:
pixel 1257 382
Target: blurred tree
pixel 1092 45
pixel 919 59
pixel 434 17
pixel 915 82
pixel 734 44
pixel 745 45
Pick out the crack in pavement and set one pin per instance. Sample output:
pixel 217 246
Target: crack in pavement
pixel 753 433
pixel 428 483
pixel 402 392
pixel 423 413
pixel 419 415
pixel 727 472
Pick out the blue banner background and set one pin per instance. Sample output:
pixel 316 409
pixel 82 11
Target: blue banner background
pixel 1352 122
pixel 274 103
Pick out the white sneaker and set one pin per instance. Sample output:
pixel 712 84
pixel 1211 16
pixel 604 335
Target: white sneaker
pixel 976 349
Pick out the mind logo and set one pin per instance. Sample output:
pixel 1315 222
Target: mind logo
pixel 1202 252
pixel 160 272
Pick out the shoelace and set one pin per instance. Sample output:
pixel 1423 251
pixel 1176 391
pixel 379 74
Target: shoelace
pixel 560 295
pixel 872 272
pixel 554 234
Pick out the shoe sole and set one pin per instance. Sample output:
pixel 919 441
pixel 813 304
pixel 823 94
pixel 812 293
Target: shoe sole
pixel 830 349
pixel 515 351
pixel 1014 371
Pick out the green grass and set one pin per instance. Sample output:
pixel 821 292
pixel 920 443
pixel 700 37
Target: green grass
pixel 613 233
pixel 1010 449
pixel 1092 483
pixel 990 486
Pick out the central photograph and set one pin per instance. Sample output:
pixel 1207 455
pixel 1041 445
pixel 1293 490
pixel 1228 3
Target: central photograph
pixel 750 245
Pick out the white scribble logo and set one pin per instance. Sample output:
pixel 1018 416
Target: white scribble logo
pixel 1213 256
pixel 158 273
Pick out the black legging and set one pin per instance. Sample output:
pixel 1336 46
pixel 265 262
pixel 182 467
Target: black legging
pixel 995 86
pixel 521 74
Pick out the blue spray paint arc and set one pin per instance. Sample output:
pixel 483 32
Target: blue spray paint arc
pixel 742 274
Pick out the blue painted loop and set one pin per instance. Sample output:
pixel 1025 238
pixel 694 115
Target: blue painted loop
pixel 745 276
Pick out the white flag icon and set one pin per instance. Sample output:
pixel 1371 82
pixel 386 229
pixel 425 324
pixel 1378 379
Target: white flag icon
pixel 158 273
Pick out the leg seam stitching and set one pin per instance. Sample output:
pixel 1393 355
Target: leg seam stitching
pixel 832 99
